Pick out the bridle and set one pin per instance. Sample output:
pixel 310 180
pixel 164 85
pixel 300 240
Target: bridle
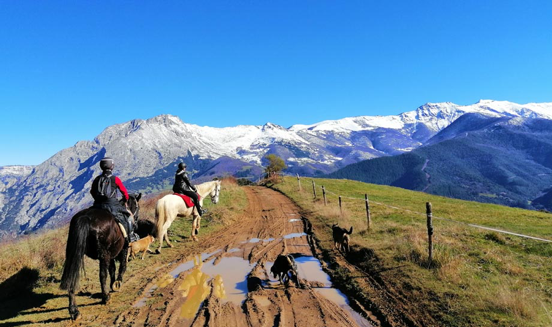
pixel 136 212
pixel 216 195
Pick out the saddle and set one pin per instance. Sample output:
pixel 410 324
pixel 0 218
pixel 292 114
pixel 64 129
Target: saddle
pixel 187 200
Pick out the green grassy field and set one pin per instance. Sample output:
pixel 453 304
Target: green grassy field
pixel 477 277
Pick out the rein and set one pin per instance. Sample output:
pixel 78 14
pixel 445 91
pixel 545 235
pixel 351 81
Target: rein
pixel 136 212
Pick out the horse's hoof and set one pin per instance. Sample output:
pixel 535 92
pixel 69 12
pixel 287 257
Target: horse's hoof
pixel 106 298
pixel 116 285
pixel 196 231
pixel 157 251
pixel 76 316
pixel 194 238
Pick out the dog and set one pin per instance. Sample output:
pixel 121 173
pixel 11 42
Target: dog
pixel 341 238
pixel 142 245
pixel 285 269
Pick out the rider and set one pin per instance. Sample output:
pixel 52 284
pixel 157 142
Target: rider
pixel 182 185
pixel 104 191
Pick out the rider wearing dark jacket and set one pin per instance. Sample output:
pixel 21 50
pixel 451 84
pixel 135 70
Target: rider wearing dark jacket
pixel 104 191
pixel 182 185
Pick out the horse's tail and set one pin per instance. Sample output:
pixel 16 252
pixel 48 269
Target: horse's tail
pixel 160 218
pixel 74 252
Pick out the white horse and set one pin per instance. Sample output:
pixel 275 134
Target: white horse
pixel 170 206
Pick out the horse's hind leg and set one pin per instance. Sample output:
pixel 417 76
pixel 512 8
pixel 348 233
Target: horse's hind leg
pixel 104 265
pixel 198 224
pixel 160 237
pixel 122 269
pixel 194 228
pixel 166 235
pixel 167 239
pixel 112 272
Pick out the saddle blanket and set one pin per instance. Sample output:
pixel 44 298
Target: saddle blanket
pixel 187 199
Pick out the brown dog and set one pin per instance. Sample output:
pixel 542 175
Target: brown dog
pixel 142 245
pixel 341 238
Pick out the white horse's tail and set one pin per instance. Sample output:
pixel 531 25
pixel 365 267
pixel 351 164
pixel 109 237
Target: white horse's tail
pixel 160 218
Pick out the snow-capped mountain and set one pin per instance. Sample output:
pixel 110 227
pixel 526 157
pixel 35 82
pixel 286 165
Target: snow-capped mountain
pixel 146 151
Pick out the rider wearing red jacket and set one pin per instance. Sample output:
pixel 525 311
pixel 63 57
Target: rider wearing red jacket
pixel 104 191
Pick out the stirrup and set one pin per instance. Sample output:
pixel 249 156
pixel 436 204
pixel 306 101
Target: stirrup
pixel 133 237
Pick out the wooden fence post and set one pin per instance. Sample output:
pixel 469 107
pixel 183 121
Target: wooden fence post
pixel 368 220
pixel 324 194
pixel 430 231
pixel 313 189
pixel 340 208
pixel 299 182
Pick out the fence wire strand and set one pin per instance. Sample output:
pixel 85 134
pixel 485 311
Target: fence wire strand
pixel 446 219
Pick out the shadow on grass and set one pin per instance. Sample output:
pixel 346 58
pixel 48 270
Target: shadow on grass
pixel 17 293
pixel 26 323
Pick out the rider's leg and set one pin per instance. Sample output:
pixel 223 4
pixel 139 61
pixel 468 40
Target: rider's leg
pixel 193 196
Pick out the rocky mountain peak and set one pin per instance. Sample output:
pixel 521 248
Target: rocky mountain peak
pixel 145 152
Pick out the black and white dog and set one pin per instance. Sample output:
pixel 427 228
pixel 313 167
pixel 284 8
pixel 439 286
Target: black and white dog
pixel 285 269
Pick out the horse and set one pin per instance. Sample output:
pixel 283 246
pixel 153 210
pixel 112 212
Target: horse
pixel 95 232
pixel 170 206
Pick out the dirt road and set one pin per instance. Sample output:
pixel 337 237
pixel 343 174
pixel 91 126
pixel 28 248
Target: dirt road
pixel 228 282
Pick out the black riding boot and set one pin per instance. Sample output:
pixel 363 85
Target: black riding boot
pixel 132 237
pixel 200 210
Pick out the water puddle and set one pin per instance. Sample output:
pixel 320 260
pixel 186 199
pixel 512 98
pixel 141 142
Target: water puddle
pixel 190 264
pixel 229 283
pixel 143 300
pixel 336 296
pixel 233 273
pixel 294 235
pixel 227 280
pixel 257 240
pixel 310 269
pixel 294 220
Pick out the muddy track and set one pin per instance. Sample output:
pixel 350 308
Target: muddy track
pixel 228 281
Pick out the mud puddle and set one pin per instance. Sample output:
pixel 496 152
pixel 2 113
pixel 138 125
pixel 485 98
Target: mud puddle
pixel 310 269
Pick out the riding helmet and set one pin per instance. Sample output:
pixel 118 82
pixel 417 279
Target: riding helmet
pixel 181 166
pixel 107 163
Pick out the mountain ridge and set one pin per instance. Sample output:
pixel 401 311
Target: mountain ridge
pixel 502 160
pixel 148 149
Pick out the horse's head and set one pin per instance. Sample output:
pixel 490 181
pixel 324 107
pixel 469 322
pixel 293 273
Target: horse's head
pixel 215 192
pixel 133 204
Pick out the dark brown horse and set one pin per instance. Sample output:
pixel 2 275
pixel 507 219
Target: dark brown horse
pixel 95 232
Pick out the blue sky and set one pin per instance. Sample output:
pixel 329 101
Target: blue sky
pixel 69 69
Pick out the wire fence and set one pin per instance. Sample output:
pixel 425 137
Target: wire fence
pixel 497 230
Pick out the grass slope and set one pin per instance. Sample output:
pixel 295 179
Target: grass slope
pixel 477 277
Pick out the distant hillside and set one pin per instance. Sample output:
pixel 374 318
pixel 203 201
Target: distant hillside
pixel 497 160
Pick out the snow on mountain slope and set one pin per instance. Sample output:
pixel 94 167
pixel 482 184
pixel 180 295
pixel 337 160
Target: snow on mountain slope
pixel 434 115
pixel 59 186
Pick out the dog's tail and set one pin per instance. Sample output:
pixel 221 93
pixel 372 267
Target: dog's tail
pixel 351 231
